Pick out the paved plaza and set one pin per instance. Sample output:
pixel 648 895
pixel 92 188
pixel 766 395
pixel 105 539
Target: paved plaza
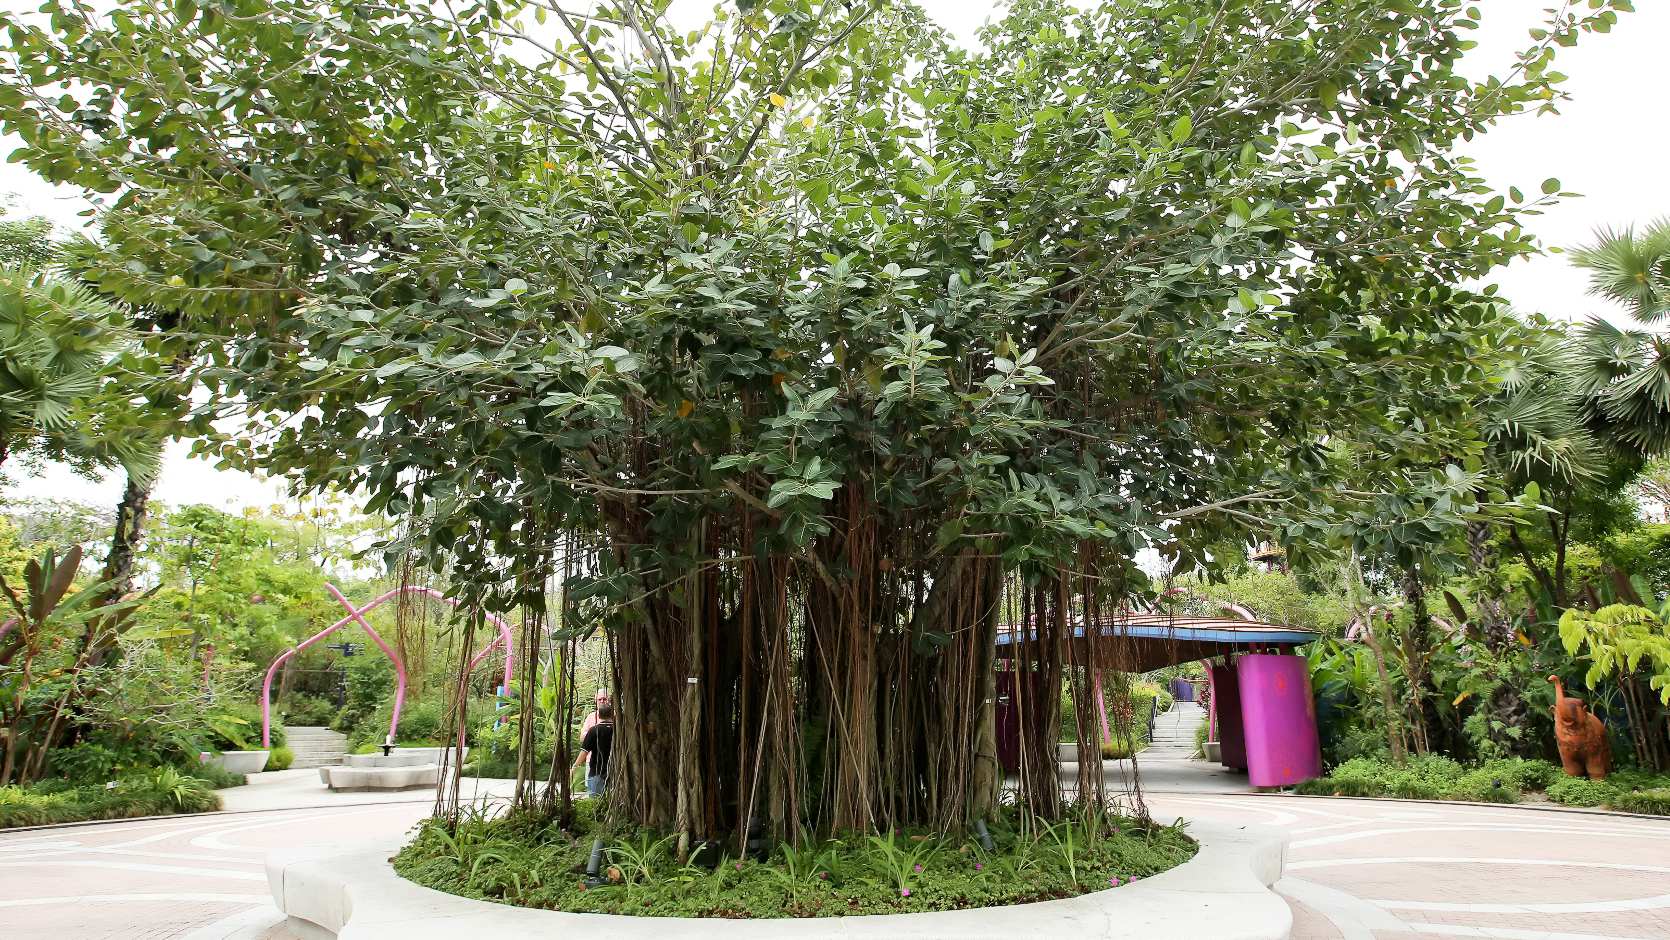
pixel 1357 869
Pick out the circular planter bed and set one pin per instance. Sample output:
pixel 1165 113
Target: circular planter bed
pixel 1223 892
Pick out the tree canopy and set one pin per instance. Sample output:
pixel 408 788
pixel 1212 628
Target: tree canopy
pixel 800 337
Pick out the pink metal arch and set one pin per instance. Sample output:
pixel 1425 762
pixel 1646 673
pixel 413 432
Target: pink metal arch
pixel 357 615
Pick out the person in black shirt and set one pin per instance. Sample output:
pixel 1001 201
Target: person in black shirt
pixel 594 750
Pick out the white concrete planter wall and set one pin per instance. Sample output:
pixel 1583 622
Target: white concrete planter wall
pixel 1223 893
pixel 241 762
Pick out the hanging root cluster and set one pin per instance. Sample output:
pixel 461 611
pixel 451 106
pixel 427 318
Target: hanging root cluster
pixel 855 686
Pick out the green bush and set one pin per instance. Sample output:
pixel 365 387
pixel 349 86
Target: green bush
pixel 1117 749
pixel 308 711
pixel 1652 802
pixel 281 758
pixel 1577 791
pixel 1485 786
pixel 217 777
pixel 1523 774
pixel 1433 777
pixel 1144 695
pixel 1427 777
pixel 158 793
pixel 421 723
pixel 237 727
pixel 369 684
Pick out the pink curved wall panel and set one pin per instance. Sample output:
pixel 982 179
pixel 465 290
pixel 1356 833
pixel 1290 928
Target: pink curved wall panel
pixel 357 615
pixel 1278 720
pixel 1226 708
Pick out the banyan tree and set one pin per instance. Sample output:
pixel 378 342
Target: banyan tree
pixel 794 348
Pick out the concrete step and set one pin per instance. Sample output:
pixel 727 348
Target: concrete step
pixel 315 746
pixel 313 731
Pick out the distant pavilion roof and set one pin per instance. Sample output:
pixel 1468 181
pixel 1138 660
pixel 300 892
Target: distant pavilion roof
pixel 1138 642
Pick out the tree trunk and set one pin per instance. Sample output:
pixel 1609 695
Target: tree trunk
pixel 1492 623
pixel 1543 578
pixel 117 576
pixel 1415 649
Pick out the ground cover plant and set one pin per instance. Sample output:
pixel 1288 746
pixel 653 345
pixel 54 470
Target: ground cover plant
pixel 161 792
pixel 525 860
pixel 1434 777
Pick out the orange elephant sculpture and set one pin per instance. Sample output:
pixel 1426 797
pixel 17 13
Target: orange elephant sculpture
pixel 1581 736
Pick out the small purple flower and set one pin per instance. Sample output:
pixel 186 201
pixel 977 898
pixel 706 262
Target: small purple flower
pixel 738 866
pixel 904 892
pixel 823 876
pixel 919 869
pixel 978 866
pixel 1114 881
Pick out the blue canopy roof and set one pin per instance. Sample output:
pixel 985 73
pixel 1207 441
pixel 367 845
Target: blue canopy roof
pixel 1140 642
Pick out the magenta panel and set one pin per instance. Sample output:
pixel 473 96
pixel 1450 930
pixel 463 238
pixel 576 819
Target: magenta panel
pixel 1278 717
pixel 1226 700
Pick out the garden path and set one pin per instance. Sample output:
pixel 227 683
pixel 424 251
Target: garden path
pixel 1357 869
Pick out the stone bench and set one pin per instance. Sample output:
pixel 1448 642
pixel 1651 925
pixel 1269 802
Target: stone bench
pixel 341 777
pixel 403 768
pixel 400 757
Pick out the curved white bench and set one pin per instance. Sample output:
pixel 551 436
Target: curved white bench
pixel 400 757
pixel 1223 893
pixel 380 778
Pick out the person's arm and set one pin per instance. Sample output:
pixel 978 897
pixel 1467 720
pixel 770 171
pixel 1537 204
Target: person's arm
pixel 585 729
pixel 588 743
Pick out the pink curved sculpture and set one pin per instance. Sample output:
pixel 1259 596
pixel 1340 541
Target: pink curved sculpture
pixel 357 615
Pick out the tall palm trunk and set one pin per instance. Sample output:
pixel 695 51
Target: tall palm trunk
pixel 1415 652
pixel 1492 622
pixel 131 515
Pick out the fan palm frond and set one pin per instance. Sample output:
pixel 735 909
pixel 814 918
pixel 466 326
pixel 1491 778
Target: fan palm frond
pixel 56 337
pixel 1632 269
pixel 1533 424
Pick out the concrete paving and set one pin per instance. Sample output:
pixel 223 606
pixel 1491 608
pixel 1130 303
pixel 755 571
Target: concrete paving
pixel 1357 869
pixel 300 787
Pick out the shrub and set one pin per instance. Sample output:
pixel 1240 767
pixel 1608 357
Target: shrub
pixel 1427 777
pixel 237 727
pixel 305 710
pixel 1577 791
pixel 1117 749
pixel 1523 774
pixel 158 793
pixel 369 683
pixel 1485 786
pixel 217 777
pixel 421 723
pixel 1359 776
pixel 88 762
pixel 1652 802
pixel 281 758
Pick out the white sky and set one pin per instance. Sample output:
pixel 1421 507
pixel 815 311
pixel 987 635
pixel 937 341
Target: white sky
pixel 1611 144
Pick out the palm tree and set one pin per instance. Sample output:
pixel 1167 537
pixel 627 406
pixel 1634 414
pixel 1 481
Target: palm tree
pixel 1534 432
pixel 1625 379
pixel 1632 269
pixel 55 338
